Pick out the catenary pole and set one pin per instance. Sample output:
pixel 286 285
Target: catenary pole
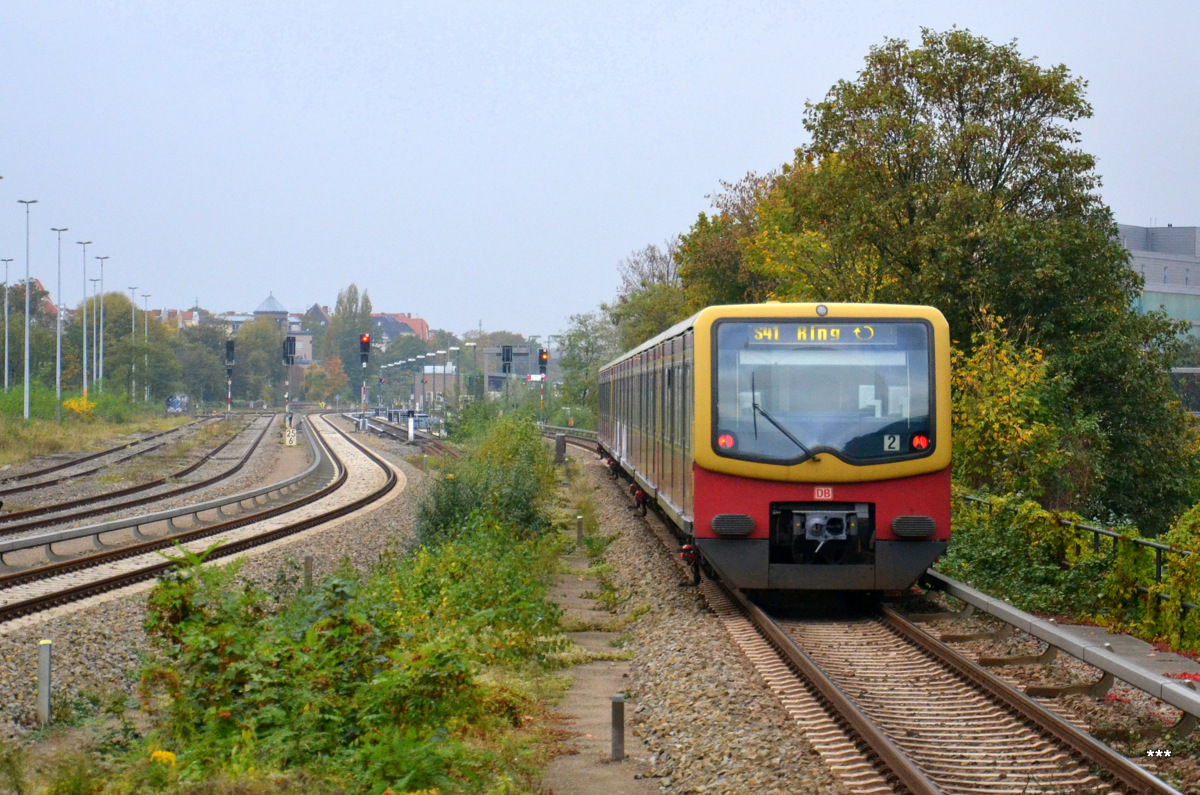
pixel 27 202
pixel 58 330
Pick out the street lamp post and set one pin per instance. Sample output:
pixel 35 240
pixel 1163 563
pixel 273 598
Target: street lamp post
pixel 146 342
pixel 99 374
pixel 421 366
pixel 85 244
pixel 27 202
pixel 6 322
pixel 412 397
pixel 474 365
pixel 58 330
pixel 95 325
pixel 132 342
pixel 442 384
pixel 457 377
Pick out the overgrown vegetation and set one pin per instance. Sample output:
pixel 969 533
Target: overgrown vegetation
pixel 108 416
pixel 423 675
pixel 1064 572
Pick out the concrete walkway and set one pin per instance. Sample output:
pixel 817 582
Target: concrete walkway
pixel 586 768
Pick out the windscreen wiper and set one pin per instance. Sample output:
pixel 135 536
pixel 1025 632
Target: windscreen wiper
pixel 757 409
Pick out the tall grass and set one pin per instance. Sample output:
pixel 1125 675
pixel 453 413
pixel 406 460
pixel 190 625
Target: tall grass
pixel 111 416
pixel 416 677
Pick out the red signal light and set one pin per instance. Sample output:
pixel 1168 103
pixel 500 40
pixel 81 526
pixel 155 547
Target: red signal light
pixel 726 441
pixel 920 441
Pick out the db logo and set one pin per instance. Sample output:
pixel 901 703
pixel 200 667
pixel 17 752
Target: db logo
pixel 823 493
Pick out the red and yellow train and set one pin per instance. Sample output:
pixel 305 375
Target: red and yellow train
pixel 797 446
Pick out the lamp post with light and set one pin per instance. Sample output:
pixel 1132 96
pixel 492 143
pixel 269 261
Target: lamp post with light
pixel 146 342
pixel 85 244
pixel 58 330
pixel 99 374
pixel 132 343
pixel 27 202
pixel 6 322
pixel 95 324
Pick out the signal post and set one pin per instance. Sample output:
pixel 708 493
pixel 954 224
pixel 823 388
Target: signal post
pixel 364 352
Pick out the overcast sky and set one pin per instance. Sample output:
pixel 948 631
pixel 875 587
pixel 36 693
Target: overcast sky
pixel 482 162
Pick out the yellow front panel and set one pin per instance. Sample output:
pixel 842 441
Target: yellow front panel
pixel 824 468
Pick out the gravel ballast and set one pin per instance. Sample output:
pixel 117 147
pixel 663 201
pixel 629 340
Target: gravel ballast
pixel 98 643
pixel 710 722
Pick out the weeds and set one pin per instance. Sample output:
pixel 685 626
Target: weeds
pixel 14 767
pixel 410 678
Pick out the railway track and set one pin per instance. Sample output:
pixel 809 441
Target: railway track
pixel 427 443
pixel 47 587
pixel 893 710
pixel 6 487
pixel 15 522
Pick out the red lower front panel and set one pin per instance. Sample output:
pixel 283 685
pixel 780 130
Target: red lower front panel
pixel 922 495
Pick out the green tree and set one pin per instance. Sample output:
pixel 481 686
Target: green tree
pixel 651 297
pixel 259 367
pixel 589 342
pixel 949 174
pixel 351 318
pixel 710 254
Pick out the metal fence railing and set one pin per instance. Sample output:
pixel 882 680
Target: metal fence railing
pixel 1161 551
pixel 576 432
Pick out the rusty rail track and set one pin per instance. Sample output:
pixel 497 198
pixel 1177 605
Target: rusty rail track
pixel 84 590
pixel 893 709
pixel 16 522
pixel 48 470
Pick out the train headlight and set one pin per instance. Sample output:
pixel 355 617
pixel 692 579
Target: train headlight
pixel 726 440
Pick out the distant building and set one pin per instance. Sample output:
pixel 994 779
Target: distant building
pixel 234 320
pixel 389 325
pixel 318 315
pixel 181 318
pixel 273 311
pixel 1168 258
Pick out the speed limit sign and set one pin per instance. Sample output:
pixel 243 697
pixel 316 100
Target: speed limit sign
pixel 289 437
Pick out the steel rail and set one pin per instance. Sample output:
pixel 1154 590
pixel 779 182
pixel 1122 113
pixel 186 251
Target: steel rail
pixel 899 766
pixel 902 768
pixel 45 484
pixel 134 523
pixel 93 456
pixel 1091 749
pixel 112 553
pixel 74 593
pixel 12 516
pixel 12 529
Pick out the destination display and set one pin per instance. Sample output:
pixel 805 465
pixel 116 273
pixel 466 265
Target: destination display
pixel 823 333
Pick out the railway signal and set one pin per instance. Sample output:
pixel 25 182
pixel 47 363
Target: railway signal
pixel 506 359
pixel 364 348
pixel 289 350
pixel 229 376
pixel 543 360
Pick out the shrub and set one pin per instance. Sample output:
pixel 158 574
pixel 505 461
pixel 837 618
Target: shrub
pixel 393 680
pixel 1013 431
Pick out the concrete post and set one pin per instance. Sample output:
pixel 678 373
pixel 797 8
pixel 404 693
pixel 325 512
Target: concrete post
pixel 308 566
pixel 560 448
pixel 618 728
pixel 579 532
pixel 43 683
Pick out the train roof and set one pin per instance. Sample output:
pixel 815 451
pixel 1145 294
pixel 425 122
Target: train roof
pixel 684 325
pixel 673 331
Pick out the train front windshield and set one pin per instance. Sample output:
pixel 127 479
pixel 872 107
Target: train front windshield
pixel 787 391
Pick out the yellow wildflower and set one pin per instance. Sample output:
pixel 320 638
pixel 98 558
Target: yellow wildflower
pixel 164 758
